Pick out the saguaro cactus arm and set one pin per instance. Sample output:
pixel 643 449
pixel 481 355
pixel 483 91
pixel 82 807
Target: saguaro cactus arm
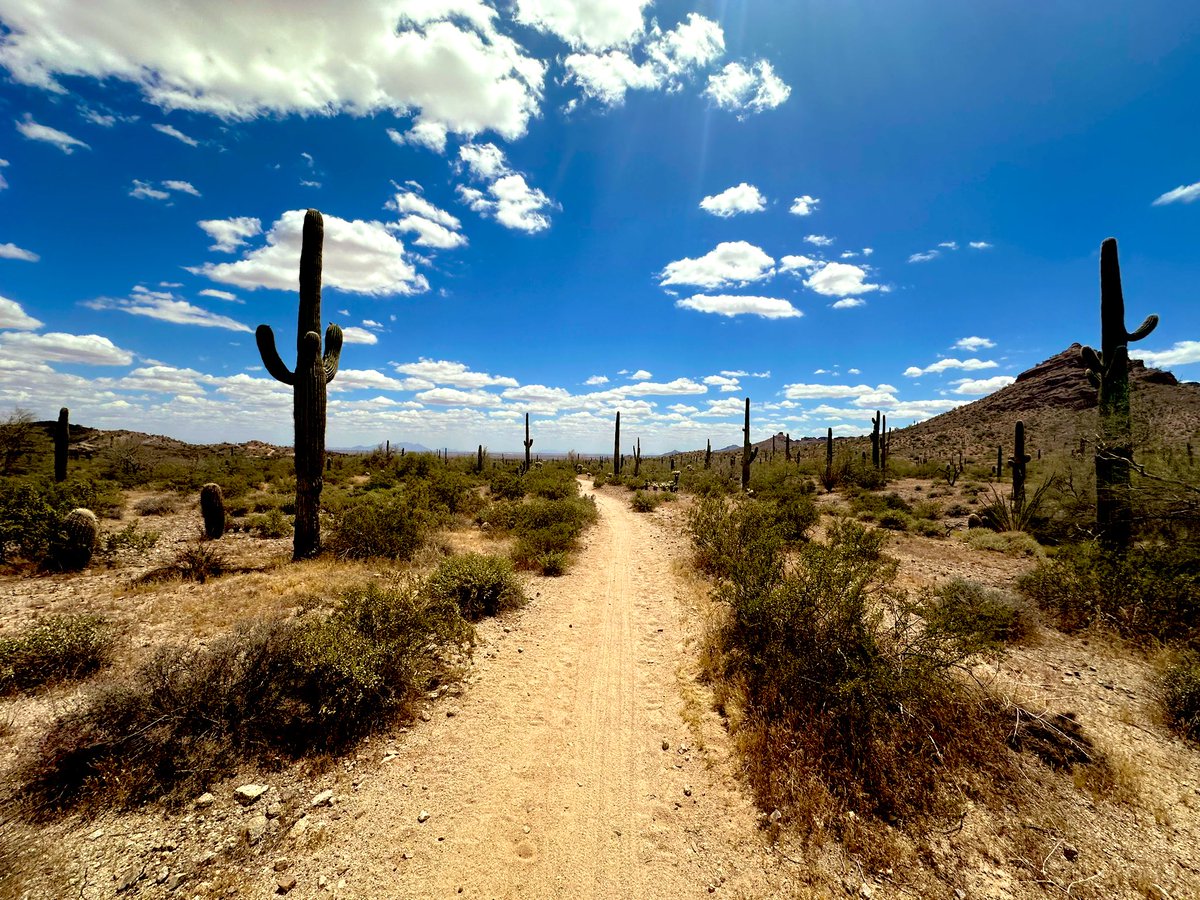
pixel 333 351
pixel 265 338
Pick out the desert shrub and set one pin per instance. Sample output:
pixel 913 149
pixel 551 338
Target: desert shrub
pixel 870 505
pixel 505 484
pixel 54 649
pixel 271 524
pixel 894 521
pixel 707 482
pixel 984 620
pixel 378 524
pixel 553 562
pixel 795 516
pixel 847 695
pixel 552 482
pixel 199 562
pixel 1179 693
pixel 957 510
pixel 547 531
pixel 481 585
pixel 32 512
pixel 599 479
pixel 736 540
pixel 312 684
pixel 155 506
pixel 1148 593
pixel 927 509
pixel 130 538
pixel 1013 543
pixel 644 501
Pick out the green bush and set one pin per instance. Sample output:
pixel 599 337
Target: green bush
pixel 984 620
pixel 1148 593
pixel 32 513
pixel 54 649
pixel 130 538
pixel 894 521
pixel 481 585
pixel 312 684
pixel 547 531
pixel 1013 543
pixel 271 524
pixel 155 506
pixel 552 482
pixel 505 484
pixel 736 541
pixel 1179 693
pixel 378 524
pixel 644 501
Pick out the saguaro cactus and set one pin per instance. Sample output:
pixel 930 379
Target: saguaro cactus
pixel 875 439
pixel 1018 461
pixel 999 461
pixel 62 437
pixel 637 458
pixel 528 442
pixel 479 461
pixel 617 447
pixel 212 510
pixel 1108 371
pixel 829 454
pixel 313 372
pixel 748 452
pixel 787 447
pixel 708 453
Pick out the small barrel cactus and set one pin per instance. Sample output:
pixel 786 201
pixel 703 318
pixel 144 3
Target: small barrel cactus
pixel 212 508
pixel 80 534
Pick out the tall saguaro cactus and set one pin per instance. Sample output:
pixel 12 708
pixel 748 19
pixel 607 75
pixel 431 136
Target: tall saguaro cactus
pixel 528 442
pixel 617 447
pixel 748 452
pixel 1108 370
pixel 875 439
pixel 708 453
pixel 62 437
pixel 637 459
pixel 313 372
pixel 1018 461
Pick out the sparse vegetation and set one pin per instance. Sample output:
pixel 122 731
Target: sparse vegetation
pixel 982 619
pixel 1179 692
pixel 54 649
pixel 481 585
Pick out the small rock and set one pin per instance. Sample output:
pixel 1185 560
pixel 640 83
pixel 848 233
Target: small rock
pixel 282 864
pixel 322 882
pixel 254 830
pixel 175 881
pixel 163 874
pixel 423 816
pixel 666 745
pixel 1070 852
pixel 866 891
pixel 298 828
pixel 208 857
pixel 687 790
pixel 96 835
pixel 129 878
pixel 526 829
pixel 325 798
pixel 204 801
pixel 451 712
pixel 249 793
pixel 775 816
pixel 274 809
pixel 286 883
pixel 425 717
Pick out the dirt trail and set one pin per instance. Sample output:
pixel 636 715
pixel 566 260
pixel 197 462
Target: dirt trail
pixel 547 777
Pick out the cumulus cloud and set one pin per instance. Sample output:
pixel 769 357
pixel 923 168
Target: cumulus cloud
pixel 979 245
pixel 1181 353
pixel 434 227
pixel 1182 194
pixel 55 346
pixel 818 240
pixel 508 198
pixel 593 24
pixel 730 305
pixel 144 191
pixel 12 251
pixel 974 343
pixel 924 257
pixel 167 308
pixel 360 258
pixel 640 375
pixel 229 234
pixel 220 295
pixel 951 363
pixel 453 397
pixel 597 379
pixel 848 303
pixel 836 391
pixel 949 245
pixel 182 187
pixel 742 198
pixel 352 334
pixel 974 387
pixel 729 263
pixel 747 90
pixel 804 205
pixel 445 60
pixel 172 131
pixel 3 182
pixel 44 133
pixel 13 316
pixel 838 279
pixel 455 374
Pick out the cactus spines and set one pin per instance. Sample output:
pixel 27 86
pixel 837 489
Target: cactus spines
pixel 313 372
pixel 875 439
pixel 80 533
pixel 1108 371
pixel 617 447
pixel 528 442
pixel 1018 461
pixel 62 437
pixel 212 510
pixel 748 453
pixel 708 453
pixel 637 458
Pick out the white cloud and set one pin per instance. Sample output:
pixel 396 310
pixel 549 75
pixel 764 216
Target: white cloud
pixel 485 161
pixel 688 46
pixel 456 374
pixel 853 372
pixel 837 279
pixel 220 295
pixel 639 375
pixel 974 343
pixel 453 397
pixel 729 263
pixel 167 308
pixel 980 245
pixel 742 198
pixel 818 240
pixel 229 234
pixel 670 388
pixel 799 264
pixel 608 77
pixel 12 251
pixel 508 198
pixel 352 334
pixel 949 245
pixel 867 251
pixel 54 346
pixel 597 379
pixel 804 205
pixel 183 187
pixel 747 90
pixel 1181 353
pixel 951 363
pixel 729 305
pixel 433 226
pixel 428 134
pixel 359 257
pixel 144 191
pixel 1182 194
pixel 3 182
pixel 594 24
pixel 975 387
pixel 838 391
pixel 848 254
pixel 13 316
pixel 44 133
pixel 726 383
pixel 445 59
pixel 848 303
pixel 924 257
pixel 172 131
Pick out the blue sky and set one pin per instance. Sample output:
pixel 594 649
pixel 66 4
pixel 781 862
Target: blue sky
pixel 574 207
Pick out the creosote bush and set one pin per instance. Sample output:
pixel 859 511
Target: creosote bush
pixel 54 649
pixel 644 501
pixel 271 524
pixel 547 531
pixel 315 683
pixel 378 524
pixel 480 585
pixel 982 619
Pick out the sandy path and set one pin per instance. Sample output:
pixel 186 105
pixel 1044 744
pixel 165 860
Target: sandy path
pixel 549 779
